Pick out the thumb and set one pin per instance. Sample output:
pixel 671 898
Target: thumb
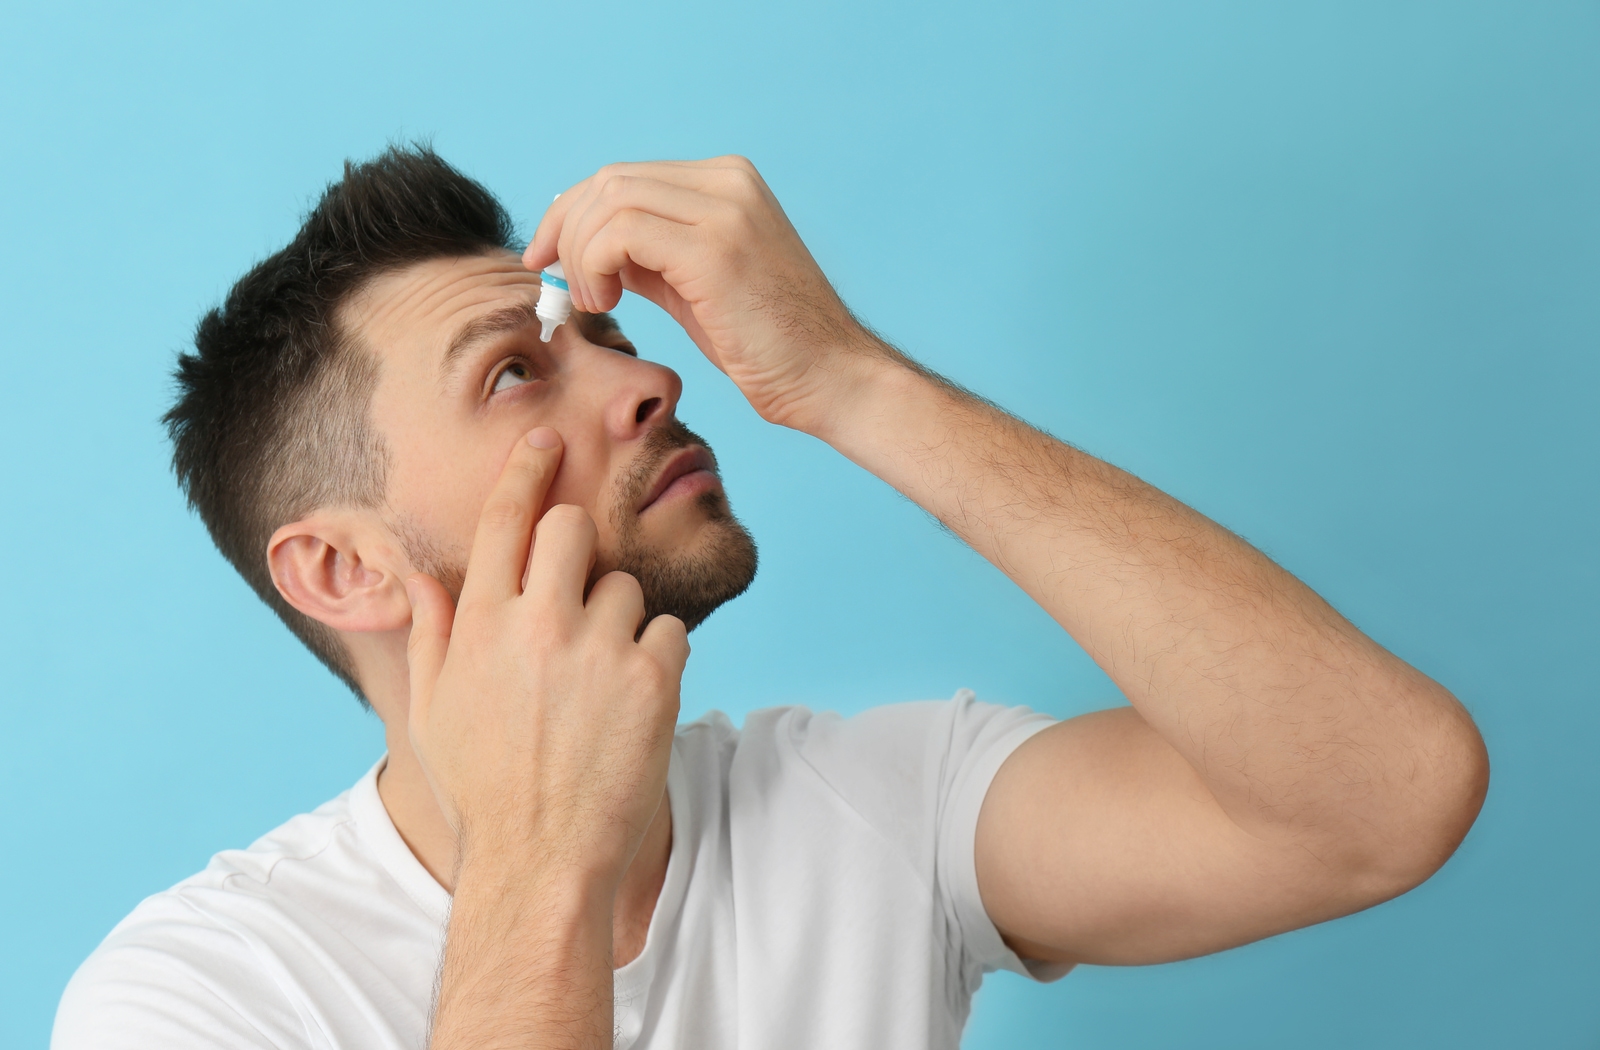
pixel 432 616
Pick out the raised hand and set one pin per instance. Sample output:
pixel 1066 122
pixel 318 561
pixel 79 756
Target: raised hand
pixel 708 242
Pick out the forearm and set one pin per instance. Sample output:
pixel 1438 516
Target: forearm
pixel 1292 717
pixel 527 962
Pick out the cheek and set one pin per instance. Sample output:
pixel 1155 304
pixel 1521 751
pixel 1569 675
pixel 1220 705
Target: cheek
pixel 586 483
pixel 445 519
pixel 440 487
pixel 583 480
pixel 437 502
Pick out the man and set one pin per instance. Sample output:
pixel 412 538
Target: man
pixel 501 543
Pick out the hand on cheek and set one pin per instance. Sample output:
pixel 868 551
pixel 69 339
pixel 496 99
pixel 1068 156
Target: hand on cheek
pixel 541 723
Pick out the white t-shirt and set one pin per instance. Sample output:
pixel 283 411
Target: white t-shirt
pixel 820 892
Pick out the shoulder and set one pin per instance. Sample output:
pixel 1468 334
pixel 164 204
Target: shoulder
pixel 179 971
pixel 198 964
pixel 905 744
pixel 902 769
pixel 868 823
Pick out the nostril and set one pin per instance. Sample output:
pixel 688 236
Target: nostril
pixel 647 408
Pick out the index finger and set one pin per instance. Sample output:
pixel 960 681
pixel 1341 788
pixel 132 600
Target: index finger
pixel 505 525
pixel 687 174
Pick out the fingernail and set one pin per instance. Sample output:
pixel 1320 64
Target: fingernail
pixel 411 593
pixel 543 437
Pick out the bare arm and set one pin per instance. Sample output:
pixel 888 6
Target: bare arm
pixel 525 965
pixel 1277 767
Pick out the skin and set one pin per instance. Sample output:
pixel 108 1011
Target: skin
pixel 1277 768
pixel 449 439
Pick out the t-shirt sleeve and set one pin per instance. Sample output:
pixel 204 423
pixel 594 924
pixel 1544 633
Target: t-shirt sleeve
pixel 168 980
pixel 919 772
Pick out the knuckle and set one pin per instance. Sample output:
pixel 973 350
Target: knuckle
pixel 744 183
pixel 630 223
pixel 741 225
pixel 555 634
pixel 566 517
pixel 503 511
pixel 530 465
pixel 625 583
pixel 573 514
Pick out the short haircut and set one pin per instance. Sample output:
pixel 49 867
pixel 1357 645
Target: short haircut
pixel 271 416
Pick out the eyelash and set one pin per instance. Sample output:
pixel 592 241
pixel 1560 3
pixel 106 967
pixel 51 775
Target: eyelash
pixel 625 347
pixel 499 373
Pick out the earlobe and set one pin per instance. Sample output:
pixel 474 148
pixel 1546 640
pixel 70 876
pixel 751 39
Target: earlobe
pixel 322 568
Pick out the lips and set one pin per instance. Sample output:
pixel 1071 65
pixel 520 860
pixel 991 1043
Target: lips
pixel 690 460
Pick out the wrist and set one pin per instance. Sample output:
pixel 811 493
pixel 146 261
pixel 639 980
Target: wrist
pixel 528 956
pixel 535 890
pixel 514 863
pixel 867 403
pixel 845 385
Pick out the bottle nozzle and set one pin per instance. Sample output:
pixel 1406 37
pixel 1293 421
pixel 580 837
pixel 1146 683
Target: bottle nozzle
pixel 555 302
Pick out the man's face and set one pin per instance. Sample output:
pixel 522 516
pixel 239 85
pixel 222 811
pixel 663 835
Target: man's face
pixel 463 376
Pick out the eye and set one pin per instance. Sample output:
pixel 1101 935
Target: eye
pixel 514 374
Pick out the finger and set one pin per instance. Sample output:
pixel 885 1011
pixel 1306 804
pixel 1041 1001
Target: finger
pixel 692 193
pixel 505 525
pixel 554 236
pixel 666 638
pixel 432 617
pixel 652 286
pixel 547 241
pixel 620 194
pixel 616 603
pixel 563 554
pixel 583 198
pixel 727 177
pixel 641 240
pixel 557 231
pixel 541 250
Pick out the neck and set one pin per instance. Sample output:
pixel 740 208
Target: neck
pixel 410 802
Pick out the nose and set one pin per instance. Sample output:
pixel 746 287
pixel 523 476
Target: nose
pixel 643 395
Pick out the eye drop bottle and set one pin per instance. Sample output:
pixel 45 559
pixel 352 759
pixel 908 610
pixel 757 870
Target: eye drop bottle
pixel 555 302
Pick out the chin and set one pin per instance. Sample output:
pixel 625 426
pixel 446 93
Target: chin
pixel 714 564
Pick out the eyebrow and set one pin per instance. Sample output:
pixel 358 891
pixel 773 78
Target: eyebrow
pixel 512 318
pixel 598 324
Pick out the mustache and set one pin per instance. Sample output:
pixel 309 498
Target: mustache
pixel 663 441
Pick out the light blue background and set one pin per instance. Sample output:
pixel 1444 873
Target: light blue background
pixel 1327 271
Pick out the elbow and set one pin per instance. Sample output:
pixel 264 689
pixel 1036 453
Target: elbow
pixel 1429 803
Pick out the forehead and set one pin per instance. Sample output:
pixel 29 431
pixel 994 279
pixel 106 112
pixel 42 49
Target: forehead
pixel 410 314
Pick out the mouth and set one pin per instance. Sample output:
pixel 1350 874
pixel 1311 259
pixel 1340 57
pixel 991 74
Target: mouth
pixel 688 473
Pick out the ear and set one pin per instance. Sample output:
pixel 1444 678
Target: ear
pixel 341 572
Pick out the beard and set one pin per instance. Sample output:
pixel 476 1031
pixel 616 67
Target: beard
pixel 690 584
pixel 687 584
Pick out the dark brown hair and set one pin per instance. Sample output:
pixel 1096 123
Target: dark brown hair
pixel 271 416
